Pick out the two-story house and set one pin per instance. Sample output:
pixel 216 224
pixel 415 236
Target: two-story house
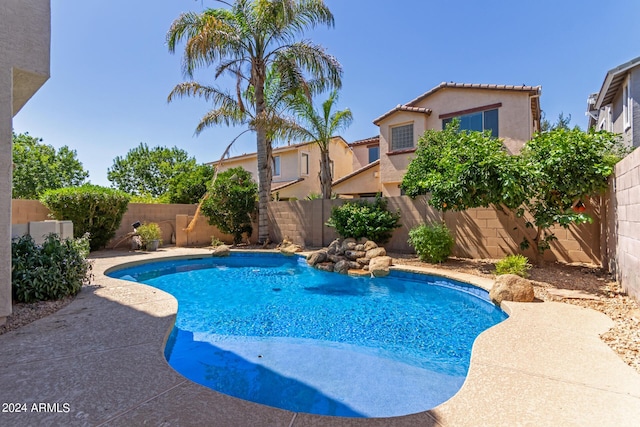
pixel 615 107
pixel 511 113
pixel 296 167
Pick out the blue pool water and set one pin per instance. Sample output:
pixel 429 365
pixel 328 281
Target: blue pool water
pixel 270 329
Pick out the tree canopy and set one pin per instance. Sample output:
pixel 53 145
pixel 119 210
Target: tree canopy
pixel 244 41
pixel 547 184
pixel 231 202
pixel 320 126
pixel 159 170
pixel 39 167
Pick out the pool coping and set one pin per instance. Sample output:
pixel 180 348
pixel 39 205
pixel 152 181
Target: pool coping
pixel 102 355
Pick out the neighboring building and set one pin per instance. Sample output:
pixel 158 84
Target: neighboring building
pixel 364 180
pixel 615 107
pixel 296 167
pixel 512 113
pixel 25 38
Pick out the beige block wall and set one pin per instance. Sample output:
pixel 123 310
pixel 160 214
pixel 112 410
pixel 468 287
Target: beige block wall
pixel 25 211
pixel 479 233
pixel 624 213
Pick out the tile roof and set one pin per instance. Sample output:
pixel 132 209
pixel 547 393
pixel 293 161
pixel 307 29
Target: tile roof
pixel 367 141
pixel 281 148
pixel 410 106
pixel 275 186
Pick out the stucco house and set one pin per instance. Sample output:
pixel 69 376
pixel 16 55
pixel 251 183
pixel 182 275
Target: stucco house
pixel 25 39
pixel 296 167
pixel 364 180
pixel 512 113
pixel 615 107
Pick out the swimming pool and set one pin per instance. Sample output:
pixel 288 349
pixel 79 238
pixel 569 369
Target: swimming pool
pixel 270 329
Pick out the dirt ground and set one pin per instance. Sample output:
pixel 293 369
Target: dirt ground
pixel 585 286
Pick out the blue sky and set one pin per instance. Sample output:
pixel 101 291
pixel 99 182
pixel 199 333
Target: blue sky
pixel 111 71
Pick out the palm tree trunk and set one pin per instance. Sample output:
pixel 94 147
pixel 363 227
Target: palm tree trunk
pixel 325 172
pixel 264 162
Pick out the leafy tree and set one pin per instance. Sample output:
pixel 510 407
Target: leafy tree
pixel 231 202
pixel 245 41
pixel 145 171
pixel 92 209
pixel 555 171
pixel 190 186
pixel 320 126
pixel 39 167
pixel 561 123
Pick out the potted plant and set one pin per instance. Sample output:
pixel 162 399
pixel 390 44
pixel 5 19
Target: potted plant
pixel 150 236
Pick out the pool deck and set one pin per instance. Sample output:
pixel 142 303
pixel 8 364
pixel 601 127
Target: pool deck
pixel 101 360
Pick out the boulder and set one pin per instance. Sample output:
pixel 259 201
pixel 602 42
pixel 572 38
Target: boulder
pixel 359 247
pixel 341 267
pixel 221 251
pixel 291 249
pixel 354 255
pixel 509 287
pixel 317 257
pixel 325 266
pixel 375 252
pixel 363 261
pixel 335 258
pixel 379 266
pixel 348 244
pixel 370 244
pixel 334 247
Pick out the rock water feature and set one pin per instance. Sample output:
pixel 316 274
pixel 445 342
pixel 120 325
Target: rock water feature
pixel 349 256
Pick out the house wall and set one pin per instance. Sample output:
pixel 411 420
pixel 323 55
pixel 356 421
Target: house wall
pixel 634 87
pixel 514 125
pixel 25 34
pixel 365 182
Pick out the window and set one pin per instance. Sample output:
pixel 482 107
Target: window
pixel 374 153
pixel 626 106
pixel 304 164
pixel 276 166
pixel 402 137
pixel 478 121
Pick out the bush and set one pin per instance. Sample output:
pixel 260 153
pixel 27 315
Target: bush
pixel 149 232
pixel 433 242
pixel 364 219
pixel 92 209
pixel 514 264
pixel 231 202
pixel 53 270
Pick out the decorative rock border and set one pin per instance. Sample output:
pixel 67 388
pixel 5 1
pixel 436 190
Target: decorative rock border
pixel 351 256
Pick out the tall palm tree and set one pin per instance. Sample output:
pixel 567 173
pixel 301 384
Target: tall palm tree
pixel 246 40
pixel 320 126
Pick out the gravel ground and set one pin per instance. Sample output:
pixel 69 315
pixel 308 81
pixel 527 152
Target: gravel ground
pixel 585 286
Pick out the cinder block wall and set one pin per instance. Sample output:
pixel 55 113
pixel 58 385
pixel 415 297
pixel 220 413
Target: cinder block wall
pixel 25 211
pixel 624 224
pixel 479 233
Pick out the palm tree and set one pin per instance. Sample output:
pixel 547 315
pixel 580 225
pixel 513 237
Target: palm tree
pixel 320 126
pixel 246 40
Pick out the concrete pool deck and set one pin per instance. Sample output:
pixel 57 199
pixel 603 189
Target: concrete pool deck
pixel 99 361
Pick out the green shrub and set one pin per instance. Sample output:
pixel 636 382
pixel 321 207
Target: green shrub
pixel 433 242
pixel 149 232
pixel 92 209
pixel 231 202
pixel 53 270
pixel 364 219
pixel 514 264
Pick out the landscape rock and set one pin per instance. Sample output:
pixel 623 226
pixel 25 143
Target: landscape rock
pixel 509 287
pixel 375 252
pixel 325 266
pixel 363 261
pixel 221 251
pixel 348 244
pixel 379 266
pixel 354 255
pixel 335 258
pixel 317 257
pixel 341 267
pixel 359 247
pixel 290 249
pixel 370 244
pixel 334 247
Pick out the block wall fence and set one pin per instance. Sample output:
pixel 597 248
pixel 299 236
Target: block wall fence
pixel 612 240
